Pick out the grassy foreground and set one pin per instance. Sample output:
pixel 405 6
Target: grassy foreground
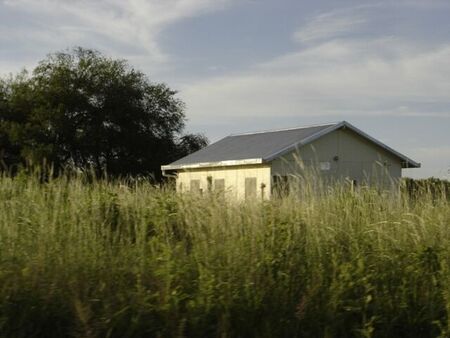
pixel 116 260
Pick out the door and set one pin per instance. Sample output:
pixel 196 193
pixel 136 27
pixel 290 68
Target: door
pixel 250 187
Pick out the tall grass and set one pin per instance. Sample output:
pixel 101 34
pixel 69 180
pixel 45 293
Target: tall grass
pixel 131 260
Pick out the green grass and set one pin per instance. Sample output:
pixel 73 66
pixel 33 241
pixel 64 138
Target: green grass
pixel 130 260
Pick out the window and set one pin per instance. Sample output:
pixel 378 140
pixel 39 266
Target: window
pixel 219 185
pixel 325 166
pixel 195 186
pixel 250 187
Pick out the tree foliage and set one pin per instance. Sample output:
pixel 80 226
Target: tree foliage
pixel 82 110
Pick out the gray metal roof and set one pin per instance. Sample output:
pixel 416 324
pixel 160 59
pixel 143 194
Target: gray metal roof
pixel 260 147
pixel 249 146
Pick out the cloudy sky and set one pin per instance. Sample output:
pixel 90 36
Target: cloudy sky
pixel 244 65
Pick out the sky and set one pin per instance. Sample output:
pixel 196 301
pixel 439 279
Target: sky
pixel 248 65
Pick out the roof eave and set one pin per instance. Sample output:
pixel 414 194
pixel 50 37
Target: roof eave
pixel 227 163
pixel 410 164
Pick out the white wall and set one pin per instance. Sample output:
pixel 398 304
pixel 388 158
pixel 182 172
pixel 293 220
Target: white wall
pixel 234 177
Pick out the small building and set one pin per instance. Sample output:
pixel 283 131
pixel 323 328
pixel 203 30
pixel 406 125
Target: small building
pixel 257 164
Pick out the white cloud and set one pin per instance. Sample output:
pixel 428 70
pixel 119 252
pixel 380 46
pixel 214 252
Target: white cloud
pixel 370 77
pixel 129 28
pixel 331 24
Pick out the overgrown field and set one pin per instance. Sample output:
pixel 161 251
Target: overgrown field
pixel 130 260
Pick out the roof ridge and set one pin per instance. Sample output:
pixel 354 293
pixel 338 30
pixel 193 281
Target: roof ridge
pixel 285 129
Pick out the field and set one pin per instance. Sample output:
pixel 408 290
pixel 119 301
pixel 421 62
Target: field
pixel 126 259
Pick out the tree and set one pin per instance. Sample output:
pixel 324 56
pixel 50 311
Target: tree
pixel 82 110
pixel 14 103
pixel 191 143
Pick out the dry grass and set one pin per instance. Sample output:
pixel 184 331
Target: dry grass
pixel 130 260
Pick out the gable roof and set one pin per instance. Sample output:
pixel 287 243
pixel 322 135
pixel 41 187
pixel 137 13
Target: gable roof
pixel 261 147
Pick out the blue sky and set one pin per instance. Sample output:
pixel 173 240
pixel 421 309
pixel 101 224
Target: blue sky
pixel 244 65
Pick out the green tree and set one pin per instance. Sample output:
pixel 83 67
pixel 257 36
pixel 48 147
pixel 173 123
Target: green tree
pixel 82 110
pixel 15 102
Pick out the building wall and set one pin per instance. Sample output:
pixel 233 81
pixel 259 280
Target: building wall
pixel 234 179
pixel 339 155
